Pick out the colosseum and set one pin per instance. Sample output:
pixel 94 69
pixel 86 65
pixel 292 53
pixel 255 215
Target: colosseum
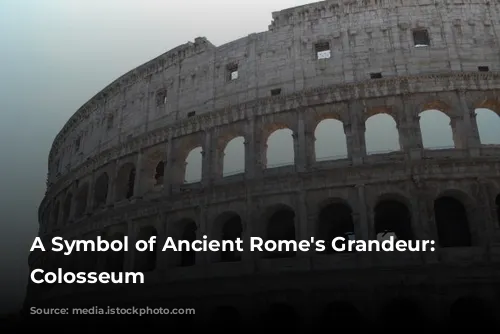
pixel 120 167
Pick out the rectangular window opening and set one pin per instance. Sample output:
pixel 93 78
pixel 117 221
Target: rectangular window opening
pixel 483 68
pixel 232 71
pixel 322 50
pixel 110 122
pixel 77 143
pixel 377 75
pixel 191 113
pixel 421 38
pixel 275 92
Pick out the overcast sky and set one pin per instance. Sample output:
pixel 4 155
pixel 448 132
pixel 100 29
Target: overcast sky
pixel 55 55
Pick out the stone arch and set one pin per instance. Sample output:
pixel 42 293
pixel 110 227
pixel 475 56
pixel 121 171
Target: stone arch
pixel 225 319
pixel 280 150
pixel 330 140
pixel 436 126
pixel 488 123
pixel 68 203
pixel 159 173
pixel 55 214
pixel 125 182
pixel 101 190
pixel 146 261
pixel 282 317
pixel 335 220
pixel 392 217
pixel 381 131
pixel 115 260
pixel 194 165
pixel 184 229
pixel 402 312
pixel 81 200
pixel 234 157
pixel 280 226
pixel 452 220
pixel 228 226
pixel 341 314
pixel 470 312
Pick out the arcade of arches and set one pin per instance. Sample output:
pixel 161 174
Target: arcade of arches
pixel 383 133
pixel 335 217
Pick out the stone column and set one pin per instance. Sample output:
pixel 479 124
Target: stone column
pixel 355 129
pixel 129 258
pixel 202 258
pixel 206 165
pixel 468 128
pixel 363 229
pixel 138 175
pixel 168 168
pixel 90 195
pixel 110 199
pixel 300 144
pixel 250 153
pixel 301 225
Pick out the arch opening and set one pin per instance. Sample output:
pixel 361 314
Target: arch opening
pixel 194 162
pixel 159 173
pixel 146 261
pixel 281 226
pixel 115 260
pixel 392 219
pixel 436 130
pixel 234 157
pixel 381 134
pixel 330 143
pixel 101 190
pixel 452 222
pixel 125 182
pixel 335 220
pixel 81 200
pixel 488 123
pixel 280 149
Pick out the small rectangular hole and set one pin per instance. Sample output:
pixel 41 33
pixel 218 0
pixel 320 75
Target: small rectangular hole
pixel 323 50
pixel 232 72
pixel 191 113
pixel 421 38
pixel 377 75
pixel 483 68
pixel 275 92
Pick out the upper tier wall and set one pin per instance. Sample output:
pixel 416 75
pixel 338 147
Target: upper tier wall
pixel 364 37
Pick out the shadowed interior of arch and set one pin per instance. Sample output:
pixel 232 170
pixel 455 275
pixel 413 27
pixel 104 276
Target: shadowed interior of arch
pixel 341 313
pixel 281 226
pixel 471 312
pixel 497 202
pixel 335 220
pixel 451 222
pixel 402 312
pixel 114 260
pixel 101 190
pixel 228 226
pixel 392 218
pixel 225 318
pixel 282 316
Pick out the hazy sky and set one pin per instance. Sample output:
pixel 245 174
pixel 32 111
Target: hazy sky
pixel 55 55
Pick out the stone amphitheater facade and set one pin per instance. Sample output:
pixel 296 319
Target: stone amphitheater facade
pixel 117 167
